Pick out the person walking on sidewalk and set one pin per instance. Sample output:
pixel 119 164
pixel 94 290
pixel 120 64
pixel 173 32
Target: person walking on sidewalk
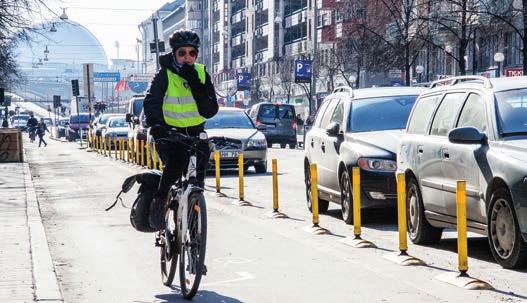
pixel 31 127
pixel 41 131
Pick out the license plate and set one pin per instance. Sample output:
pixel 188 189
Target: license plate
pixel 229 154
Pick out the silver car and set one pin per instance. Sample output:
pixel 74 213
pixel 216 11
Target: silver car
pixel 234 123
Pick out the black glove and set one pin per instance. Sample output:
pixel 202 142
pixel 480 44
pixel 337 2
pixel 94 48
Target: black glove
pixel 189 73
pixel 158 131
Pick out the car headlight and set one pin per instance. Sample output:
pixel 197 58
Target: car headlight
pixel 379 165
pixel 257 143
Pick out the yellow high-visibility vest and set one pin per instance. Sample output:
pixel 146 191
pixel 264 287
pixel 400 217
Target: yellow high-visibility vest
pixel 179 107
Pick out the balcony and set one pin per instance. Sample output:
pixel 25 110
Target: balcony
pixel 237 40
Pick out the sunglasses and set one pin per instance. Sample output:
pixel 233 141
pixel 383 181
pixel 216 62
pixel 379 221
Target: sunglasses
pixel 183 53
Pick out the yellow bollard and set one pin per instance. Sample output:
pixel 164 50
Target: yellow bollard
pixel 104 146
pixel 142 148
pixel 136 149
pixel 314 194
pixel 401 215
pixel 462 249
pixel 148 161
pixel 115 148
pixel 130 150
pixel 95 145
pixel 240 174
pixel 275 185
pixel 121 149
pixel 356 202
pixel 217 168
pixel 154 156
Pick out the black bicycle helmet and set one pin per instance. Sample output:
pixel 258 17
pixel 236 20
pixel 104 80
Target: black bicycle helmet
pixel 184 37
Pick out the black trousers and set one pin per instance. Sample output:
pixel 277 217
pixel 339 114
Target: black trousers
pixel 175 158
pixel 41 137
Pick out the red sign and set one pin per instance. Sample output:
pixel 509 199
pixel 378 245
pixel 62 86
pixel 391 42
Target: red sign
pixel 514 72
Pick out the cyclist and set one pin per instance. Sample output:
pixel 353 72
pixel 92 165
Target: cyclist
pixel 181 96
pixel 32 126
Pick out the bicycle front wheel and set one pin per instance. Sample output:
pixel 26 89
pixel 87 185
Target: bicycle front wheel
pixel 193 246
pixel 169 254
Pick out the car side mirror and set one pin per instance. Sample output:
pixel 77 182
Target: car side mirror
pixel 467 135
pixel 128 118
pixel 333 129
pixel 135 120
pixel 261 127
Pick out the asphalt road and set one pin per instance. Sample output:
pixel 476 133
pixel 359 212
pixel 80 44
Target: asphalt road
pixel 250 257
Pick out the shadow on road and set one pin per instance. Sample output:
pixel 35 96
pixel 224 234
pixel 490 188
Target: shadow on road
pixel 380 219
pixel 201 296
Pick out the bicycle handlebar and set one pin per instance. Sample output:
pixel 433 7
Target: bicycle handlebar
pixel 176 137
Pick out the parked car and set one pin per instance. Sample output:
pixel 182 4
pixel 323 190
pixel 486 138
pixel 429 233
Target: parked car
pixel 20 121
pixel 48 122
pixel 62 127
pixel 279 120
pixel 101 121
pixel 473 129
pixel 357 128
pixel 234 123
pixel 135 107
pixel 116 128
pixel 77 124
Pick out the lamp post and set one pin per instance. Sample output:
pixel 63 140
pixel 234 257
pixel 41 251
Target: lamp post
pixel 499 57
pixel 419 69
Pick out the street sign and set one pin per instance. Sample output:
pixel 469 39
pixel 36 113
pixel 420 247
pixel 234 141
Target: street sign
pixel 56 101
pixel 303 71
pixel 243 81
pixel 161 46
pixel 75 87
pixel 107 77
pixel 141 77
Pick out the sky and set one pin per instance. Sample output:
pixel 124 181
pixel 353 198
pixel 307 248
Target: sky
pixel 110 21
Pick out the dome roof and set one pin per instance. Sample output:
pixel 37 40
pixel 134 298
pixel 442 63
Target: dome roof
pixel 72 43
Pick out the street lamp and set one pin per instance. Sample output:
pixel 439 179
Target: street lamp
pixel 63 17
pixel 53 29
pixel 499 57
pixel 419 69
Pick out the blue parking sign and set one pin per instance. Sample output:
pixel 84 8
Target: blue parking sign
pixel 303 71
pixel 243 81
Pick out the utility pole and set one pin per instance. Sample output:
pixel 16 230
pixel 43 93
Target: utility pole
pixel 313 88
pixel 156 39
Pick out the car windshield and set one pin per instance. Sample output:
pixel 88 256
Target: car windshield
pixel 79 119
pixel 382 113
pixel 104 119
pixel 512 112
pixel 229 119
pixel 277 111
pixel 118 122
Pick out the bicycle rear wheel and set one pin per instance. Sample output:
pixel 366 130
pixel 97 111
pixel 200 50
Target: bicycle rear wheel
pixel 169 255
pixel 193 246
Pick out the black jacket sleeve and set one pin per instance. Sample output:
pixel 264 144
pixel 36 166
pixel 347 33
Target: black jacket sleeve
pixel 205 97
pixel 153 104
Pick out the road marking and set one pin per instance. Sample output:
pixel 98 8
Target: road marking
pixel 228 260
pixel 243 277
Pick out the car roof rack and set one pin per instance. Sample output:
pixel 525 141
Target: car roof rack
pixel 341 89
pixel 458 79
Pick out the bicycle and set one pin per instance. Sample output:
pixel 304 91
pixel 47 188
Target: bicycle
pixel 185 234
pixel 32 130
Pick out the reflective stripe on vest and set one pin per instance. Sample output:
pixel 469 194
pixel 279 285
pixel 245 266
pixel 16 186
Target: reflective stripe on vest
pixel 179 107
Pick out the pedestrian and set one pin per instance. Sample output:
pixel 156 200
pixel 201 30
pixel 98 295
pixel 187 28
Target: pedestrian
pixel 32 126
pixel 180 98
pixel 298 119
pixel 5 123
pixel 41 131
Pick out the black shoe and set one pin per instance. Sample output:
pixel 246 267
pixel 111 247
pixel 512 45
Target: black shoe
pixel 156 219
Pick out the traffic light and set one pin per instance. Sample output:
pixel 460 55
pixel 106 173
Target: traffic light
pixel 56 101
pixel 75 87
pixel 2 96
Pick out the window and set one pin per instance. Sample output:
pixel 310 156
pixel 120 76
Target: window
pixel 380 113
pixel 328 114
pixel 473 113
pixel 338 114
pixel 512 112
pixel 446 113
pixel 422 113
pixel 321 111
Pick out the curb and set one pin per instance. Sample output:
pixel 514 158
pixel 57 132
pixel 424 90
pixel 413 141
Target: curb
pixel 44 276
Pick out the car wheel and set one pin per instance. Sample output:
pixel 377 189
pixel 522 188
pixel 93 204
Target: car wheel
pixel 505 240
pixel 419 230
pixel 261 168
pixel 292 145
pixel 346 197
pixel 323 205
pixel 282 145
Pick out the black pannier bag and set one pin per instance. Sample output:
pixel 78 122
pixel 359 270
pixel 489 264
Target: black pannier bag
pixel 140 211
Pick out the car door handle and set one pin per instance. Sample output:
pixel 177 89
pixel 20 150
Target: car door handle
pixel 323 147
pixel 445 153
pixel 420 150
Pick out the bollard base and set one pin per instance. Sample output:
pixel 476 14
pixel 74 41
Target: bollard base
pixel 277 215
pixel 358 243
pixel 463 280
pixel 220 195
pixel 404 259
pixel 316 230
pixel 242 203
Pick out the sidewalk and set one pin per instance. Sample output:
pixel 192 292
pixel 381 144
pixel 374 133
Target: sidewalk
pixel 26 269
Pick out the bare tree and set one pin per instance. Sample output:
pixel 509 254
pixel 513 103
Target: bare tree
pixel 286 77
